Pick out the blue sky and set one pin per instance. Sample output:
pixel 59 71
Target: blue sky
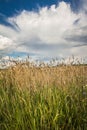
pixel 10 7
pixel 43 28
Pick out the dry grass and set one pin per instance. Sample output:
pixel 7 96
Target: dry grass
pixel 23 75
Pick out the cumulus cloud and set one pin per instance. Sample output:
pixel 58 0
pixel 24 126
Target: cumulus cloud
pixel 55 32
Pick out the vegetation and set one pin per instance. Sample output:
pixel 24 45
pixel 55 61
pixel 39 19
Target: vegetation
pixel 43 98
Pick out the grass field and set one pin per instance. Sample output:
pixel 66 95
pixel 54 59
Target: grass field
pixel 43 98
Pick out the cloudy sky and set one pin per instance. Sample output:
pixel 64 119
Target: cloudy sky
pixel 43 28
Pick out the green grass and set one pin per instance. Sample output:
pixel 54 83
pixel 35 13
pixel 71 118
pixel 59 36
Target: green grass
pixel 47 108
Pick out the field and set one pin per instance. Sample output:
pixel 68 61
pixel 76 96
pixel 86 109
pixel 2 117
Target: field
pixel 43 98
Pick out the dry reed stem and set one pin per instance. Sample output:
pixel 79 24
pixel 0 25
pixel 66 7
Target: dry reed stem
pixel 24 75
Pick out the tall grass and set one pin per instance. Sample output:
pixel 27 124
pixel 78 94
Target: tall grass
pixel 43 98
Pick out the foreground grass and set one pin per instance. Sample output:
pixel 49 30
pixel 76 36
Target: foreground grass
pixel 43 98
pixel 47 109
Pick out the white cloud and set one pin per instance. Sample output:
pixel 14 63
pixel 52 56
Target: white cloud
pixel 53 31
pixel 6 45
pixel 5 42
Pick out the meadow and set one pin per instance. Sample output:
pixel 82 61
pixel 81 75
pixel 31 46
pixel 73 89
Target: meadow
pixel 44 97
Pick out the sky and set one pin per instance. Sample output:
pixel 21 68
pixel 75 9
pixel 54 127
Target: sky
pixel 43 28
